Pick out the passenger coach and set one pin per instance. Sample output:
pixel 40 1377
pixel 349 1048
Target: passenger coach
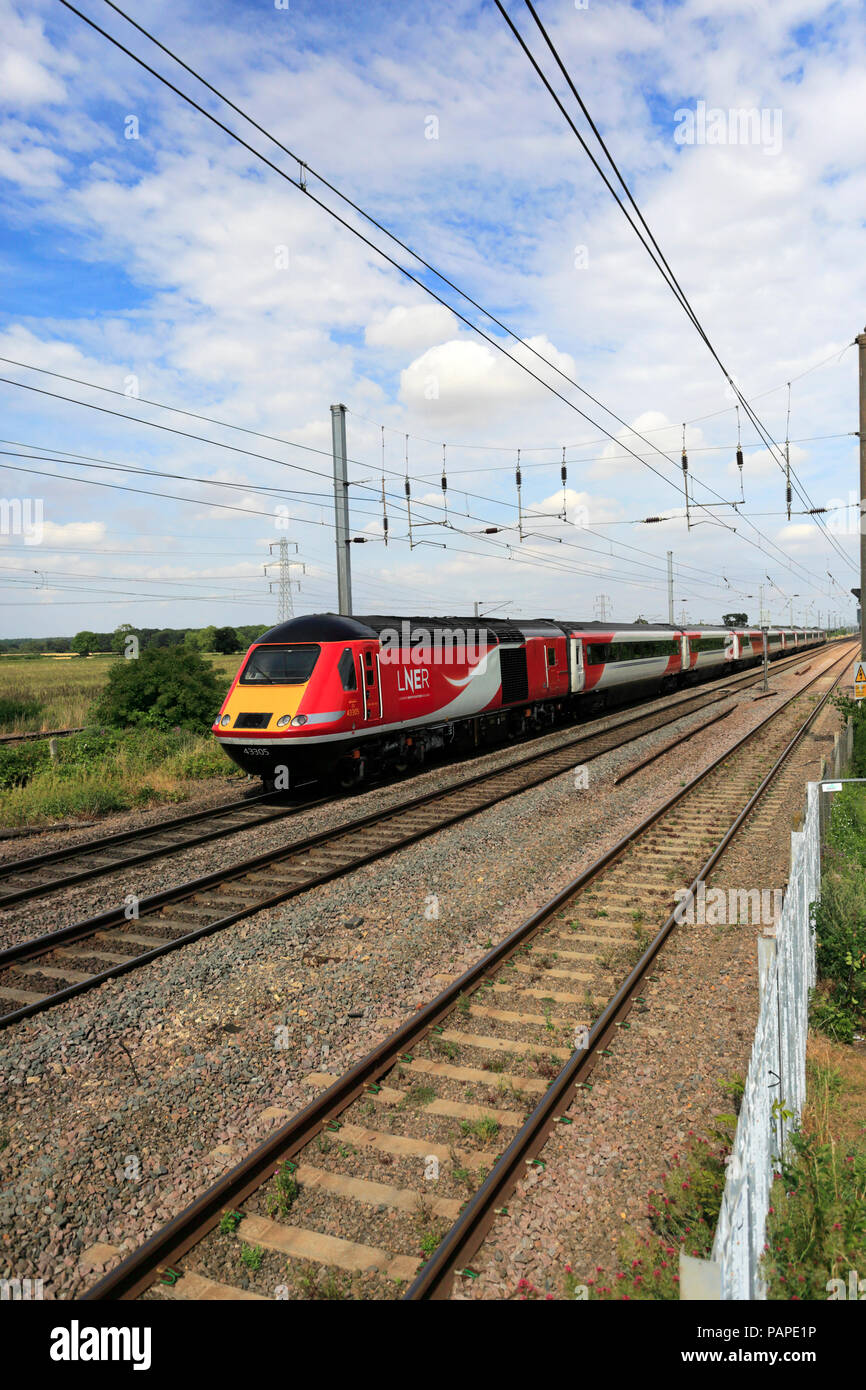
pixel 326 695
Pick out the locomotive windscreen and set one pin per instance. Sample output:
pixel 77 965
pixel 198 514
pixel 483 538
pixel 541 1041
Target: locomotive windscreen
pixel 280 665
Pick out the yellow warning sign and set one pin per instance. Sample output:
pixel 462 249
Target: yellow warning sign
pixel 860 682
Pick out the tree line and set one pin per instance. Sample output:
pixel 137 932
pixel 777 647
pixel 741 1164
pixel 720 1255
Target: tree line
pixel 225 640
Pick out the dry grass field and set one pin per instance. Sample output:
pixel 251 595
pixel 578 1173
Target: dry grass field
pixel 55 692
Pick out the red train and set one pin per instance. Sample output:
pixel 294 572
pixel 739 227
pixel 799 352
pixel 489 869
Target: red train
pixel 329 695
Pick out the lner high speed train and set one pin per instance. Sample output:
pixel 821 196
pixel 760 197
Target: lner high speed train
pixel 325 695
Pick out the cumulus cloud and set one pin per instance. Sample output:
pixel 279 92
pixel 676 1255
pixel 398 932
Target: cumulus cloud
pixel 457 380
pixel 411 328
pixel 230 292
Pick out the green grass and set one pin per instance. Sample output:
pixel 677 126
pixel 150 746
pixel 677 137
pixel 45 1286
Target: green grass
pixel 484 1129
pixel 816 1230
pixel 49 693
pixel 101 772
pixel 18 711
pixel 839 1003
pixel 284 1192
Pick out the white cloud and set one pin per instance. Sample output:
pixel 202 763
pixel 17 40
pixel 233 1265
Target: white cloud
pixel 411 328
pixel 456 381
pixel 25 83
pixel 768 249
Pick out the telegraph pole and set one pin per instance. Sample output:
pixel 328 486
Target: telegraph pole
pixel 861 344
pixel 341 510
pixel 670 588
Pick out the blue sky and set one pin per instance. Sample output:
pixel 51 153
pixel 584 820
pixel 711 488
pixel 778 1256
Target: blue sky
pixel 175 267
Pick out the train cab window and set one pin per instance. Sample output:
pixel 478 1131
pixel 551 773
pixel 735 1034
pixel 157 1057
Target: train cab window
pixel 368 667
pixel 551 656
pixel 281 665
pixel 346 669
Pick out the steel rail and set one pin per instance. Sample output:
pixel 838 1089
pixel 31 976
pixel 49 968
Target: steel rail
pixel 472 1225
pixel 138 1270
pixel 35 947
pixel 18 867
pixel 37 890
pixel 667 747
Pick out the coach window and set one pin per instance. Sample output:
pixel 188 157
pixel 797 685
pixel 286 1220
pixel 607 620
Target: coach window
pixel 551 656
pixel 346 669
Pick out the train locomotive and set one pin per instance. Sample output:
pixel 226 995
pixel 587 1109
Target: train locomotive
pixel 332 697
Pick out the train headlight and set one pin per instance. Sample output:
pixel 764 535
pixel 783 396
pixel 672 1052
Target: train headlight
pixel 226 719
pixel 283 720
pixel 298 720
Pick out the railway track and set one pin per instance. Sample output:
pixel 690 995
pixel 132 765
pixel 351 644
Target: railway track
pixel 39 733
pixel 39 973
pixel 55 870
pixel 385 1184
pixel 58 869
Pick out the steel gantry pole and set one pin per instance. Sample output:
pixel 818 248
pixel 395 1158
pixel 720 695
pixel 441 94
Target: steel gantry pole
pixel 861 344
pixel 341 510
pixel 670 588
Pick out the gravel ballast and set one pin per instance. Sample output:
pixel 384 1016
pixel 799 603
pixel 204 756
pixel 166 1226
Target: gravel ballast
pixel 121 1106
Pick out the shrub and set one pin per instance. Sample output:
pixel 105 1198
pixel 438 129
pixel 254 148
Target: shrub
pixel 162 689
pixel 18 709
pixel 839 1003
pixel 817 1225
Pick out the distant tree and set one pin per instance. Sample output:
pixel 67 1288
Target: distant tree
pixel 225 640
pixel 205 638
pixel 641 622
pixel 251 632
pixel 734 619
pixel 119 636
pixel 84 643
pixel 158 691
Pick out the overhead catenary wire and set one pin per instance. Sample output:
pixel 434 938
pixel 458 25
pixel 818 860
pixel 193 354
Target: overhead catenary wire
pixel 659 259
pixel 377 249
pixel 136 419
pixel 111 465
pixel 532 558
pixel 255 454
pixel 302 186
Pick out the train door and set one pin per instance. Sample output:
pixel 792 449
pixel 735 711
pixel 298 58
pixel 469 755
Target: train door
pixel 371 683
pixel 575 664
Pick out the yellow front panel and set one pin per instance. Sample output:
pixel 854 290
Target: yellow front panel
pixel 262 699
